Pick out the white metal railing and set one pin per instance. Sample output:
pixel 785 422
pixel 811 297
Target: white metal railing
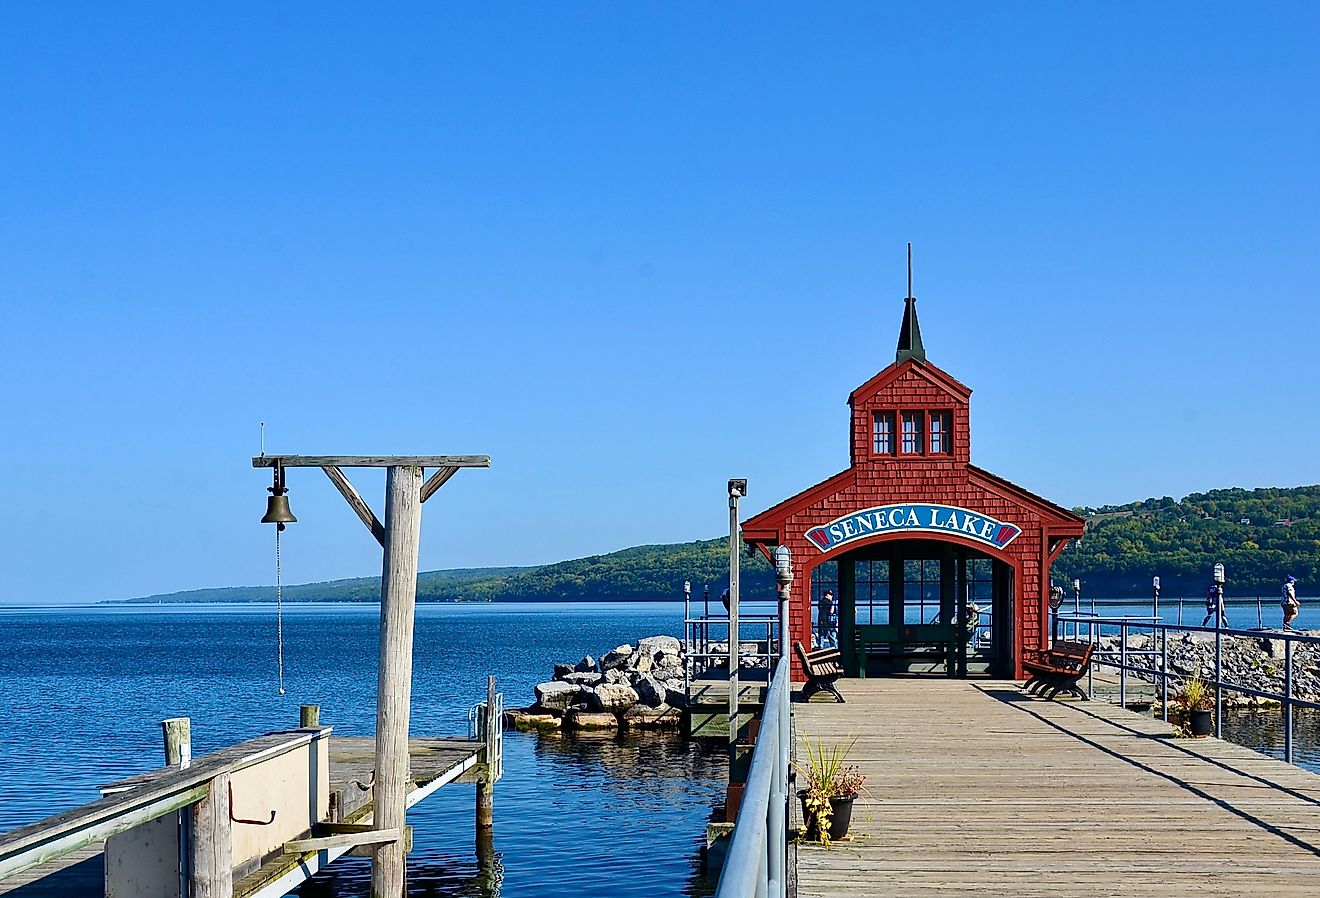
pixel 756 864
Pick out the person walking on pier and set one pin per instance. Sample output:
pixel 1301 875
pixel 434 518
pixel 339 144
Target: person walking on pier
pixel 827 620
pixel 1214 606
pixel 1290 604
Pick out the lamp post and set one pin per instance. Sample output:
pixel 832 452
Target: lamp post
pixel 776 843
pixel 784 575
pixel 1155 591
pixel 1219 651
pixel 737 489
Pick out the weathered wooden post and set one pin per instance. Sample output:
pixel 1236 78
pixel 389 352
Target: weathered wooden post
pixel 178 741
pixel 399 536
pixel 403 526
pixel 211 864
pixel 309 716
pixel 486 784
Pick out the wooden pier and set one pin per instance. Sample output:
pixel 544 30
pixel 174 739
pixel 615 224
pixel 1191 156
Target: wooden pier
pixel 287 818
pixel 975 788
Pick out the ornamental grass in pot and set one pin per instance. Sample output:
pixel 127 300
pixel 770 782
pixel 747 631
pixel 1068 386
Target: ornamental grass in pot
pixel 1194 701
pixel 832 786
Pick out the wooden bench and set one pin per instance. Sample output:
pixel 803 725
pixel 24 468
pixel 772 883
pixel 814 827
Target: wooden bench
pixel 1058 668
pixel 822 667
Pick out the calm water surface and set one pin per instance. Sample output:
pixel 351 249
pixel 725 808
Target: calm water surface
pixel 82 692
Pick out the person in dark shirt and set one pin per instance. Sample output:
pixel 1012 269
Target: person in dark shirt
pixel 827 622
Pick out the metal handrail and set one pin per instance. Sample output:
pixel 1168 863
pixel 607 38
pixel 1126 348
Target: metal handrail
pixel 1284 698
pixel 756 862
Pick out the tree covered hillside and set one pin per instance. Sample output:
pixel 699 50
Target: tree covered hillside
pixel 1260 535
pixel 639 574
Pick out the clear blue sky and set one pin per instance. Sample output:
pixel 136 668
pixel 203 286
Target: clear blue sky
pixel 629 251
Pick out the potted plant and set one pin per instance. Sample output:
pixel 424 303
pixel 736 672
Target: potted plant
pixel 1195 700
pixel 832 786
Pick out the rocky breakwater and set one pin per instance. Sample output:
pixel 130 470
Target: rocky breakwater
pixel 1256 662
pixel 631 687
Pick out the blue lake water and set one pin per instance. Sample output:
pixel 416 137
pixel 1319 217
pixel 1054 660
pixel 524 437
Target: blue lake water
pixel 83 691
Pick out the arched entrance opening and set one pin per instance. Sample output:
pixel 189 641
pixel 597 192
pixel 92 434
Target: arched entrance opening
pixel 920 606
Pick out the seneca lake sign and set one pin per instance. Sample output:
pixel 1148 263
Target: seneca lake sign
pixel 914 518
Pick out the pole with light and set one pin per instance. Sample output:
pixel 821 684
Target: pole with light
pixel 778 844
pixel 1155 592
pixel 737 489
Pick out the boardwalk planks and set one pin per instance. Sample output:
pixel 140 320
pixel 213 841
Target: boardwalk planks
pixel 977 789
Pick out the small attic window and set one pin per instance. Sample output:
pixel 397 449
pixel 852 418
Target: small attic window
pixel 912 432
pixel 882 430
pixel 941 433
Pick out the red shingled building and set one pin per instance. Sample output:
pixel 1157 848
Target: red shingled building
pixel 938 565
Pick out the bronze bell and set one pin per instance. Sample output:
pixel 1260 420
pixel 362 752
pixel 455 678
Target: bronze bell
pixel 277 506
pixel 277 511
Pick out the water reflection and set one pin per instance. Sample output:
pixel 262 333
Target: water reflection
pixel 1263 730
pixel 602 814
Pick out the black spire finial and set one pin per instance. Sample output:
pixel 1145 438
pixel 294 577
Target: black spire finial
pixel 909 336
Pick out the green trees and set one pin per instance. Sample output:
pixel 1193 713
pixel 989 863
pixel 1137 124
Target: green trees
pixel 1260 535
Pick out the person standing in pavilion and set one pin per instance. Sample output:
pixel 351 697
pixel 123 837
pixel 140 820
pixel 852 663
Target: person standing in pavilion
pixel 827 622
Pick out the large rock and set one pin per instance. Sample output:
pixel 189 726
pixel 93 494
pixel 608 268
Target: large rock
pixel 649 691
pixel 562 670
pixel 1273 648
pixel 655 651
pixel 529 721
pixel 642 717
pixel 611 697
pixel 556 696
pixel 670 669
pixel 584 678
pixel 591 720
pixel 660 645
pixel 616 658
pixel 586 665
pixel 676 696
pixel 618 675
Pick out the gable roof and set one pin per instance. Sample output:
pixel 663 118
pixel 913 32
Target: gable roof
pixel 932 373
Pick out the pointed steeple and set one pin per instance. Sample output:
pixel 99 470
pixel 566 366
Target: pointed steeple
pixel 909 336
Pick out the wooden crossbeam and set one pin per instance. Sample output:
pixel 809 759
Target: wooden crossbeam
pixel 437 480
pixel 348 839
pixel 372 461
pixel 356 502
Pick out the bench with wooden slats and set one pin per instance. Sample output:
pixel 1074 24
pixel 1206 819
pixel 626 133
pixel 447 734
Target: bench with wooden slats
pixel 822 667
pixel 1058 668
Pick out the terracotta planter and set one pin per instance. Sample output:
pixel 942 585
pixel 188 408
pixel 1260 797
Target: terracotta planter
pixel 840 817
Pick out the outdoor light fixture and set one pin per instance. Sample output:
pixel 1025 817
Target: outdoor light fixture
pixel 738 488
pixel 1219 572
pixel 783 565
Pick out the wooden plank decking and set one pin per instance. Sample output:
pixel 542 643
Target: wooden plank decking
pixel 976 788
